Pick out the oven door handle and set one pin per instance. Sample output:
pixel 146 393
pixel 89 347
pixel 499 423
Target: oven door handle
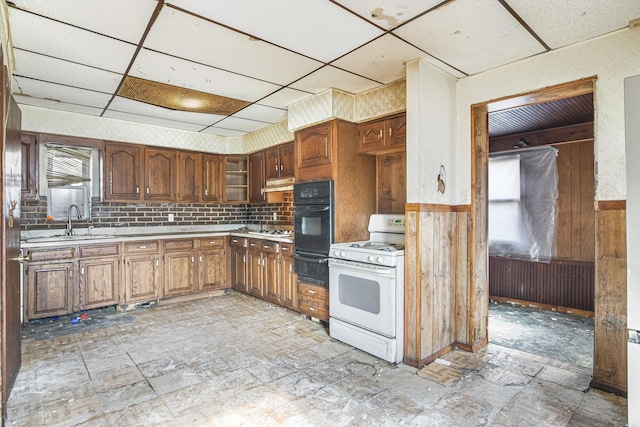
pixel 307 259
pixel 381 271
pixel 312 208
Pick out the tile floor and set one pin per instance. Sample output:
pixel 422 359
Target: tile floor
pixel 235 360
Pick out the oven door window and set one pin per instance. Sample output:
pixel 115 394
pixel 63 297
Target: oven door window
pixel 356 292
pixel 313 229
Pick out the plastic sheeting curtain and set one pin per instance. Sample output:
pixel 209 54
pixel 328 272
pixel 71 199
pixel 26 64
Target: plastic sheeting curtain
pixel 523 204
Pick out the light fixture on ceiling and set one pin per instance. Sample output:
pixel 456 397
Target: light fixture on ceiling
pixel 178 98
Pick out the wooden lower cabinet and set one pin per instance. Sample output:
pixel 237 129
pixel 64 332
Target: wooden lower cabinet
pixel 238 263
pixel 288 279
pixel 99 279
pixel 211 264
pixel 254 270
pixel 179 273
pixel 314 300
pixel 49 289
pixel 141 271
pixel 270 276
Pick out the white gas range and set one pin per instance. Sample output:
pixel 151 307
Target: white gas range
pixel 366 289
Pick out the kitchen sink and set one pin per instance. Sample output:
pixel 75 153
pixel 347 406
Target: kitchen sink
pixel 65 238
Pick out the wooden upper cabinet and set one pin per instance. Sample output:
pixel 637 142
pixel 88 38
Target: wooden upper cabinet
pixel 279 161
pixel 257 177
pixel 29 167
pixel 122 165
pixel 383 136
pixel 314 146
pixel 159 174
pixel 189 176
pixel 211 178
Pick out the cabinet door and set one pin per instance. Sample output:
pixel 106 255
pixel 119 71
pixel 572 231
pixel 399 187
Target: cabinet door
pixel 29 167
pixel 211 270
pixel 397 131
pixel 372 136
pixel 287 161
pixel 160 173
pixel 179 273
pixel 99 279
pixel 257 177
pixel 314 146
pixel 211 178
pixel 141 277
pixel 239 269
pixel 272 163
pixel 270 270
pixel 49 289
pixel 288 289
pixel 122 172
pixel 254 270
pixel 189 176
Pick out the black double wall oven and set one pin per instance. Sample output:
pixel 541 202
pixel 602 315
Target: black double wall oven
pixel 313 226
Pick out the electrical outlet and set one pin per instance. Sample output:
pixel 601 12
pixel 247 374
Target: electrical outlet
pixel 171 217
pixel 275 216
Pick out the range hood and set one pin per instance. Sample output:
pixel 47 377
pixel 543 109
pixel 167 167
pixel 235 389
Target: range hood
pixel 278 185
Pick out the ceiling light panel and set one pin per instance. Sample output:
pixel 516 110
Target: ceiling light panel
pixel 388 14
pixel 574 21
pixel 124 20
pixel 178 72
pixel 55 105
pixel 382 60
pixel 284 97
pixel 125 105
pixel 316 28
pixel 471 35
pixel 331 77
pixel 262 113
pixel 192 38
pixel 155 121
pixel 30 32
pixel 54 70
pixel 59 93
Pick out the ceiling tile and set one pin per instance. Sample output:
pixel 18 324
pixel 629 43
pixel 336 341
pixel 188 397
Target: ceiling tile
pixel 59 93
pixel 316 28
pixel 178 72
pixel 573 21
pixel 189 37
pixel 388 14
pixel 125 105
pixel 331 77
pixel 284 97
pixel 124 20
pixel 262 113
pixel 30 32
pixel 55 105
pixel 382 60
pixel 462 35
pixel 54 70
pixel 223 132
pixel 244 125
pixel 156 121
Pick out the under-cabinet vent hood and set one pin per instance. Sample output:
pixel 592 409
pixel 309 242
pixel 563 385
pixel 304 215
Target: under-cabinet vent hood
pixel 279 184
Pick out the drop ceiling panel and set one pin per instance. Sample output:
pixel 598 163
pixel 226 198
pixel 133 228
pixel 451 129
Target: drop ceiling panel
pixel 59 93
pixel 189 37
pixel 156 121
pixel 461 35
pixel 262 113
pixel 388 14
pixel 316 28
pixel 178 72
pixel 243 125
pixel 284 97
pixel 574 21
pixel 55 105
pixel 122 20
pixel 329 76
pixel 382 60
pixel 52 38
pixel 223 132
pixel 54 70
pixel 125 105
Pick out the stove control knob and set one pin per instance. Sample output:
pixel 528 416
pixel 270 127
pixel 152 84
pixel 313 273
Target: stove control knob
pixel 380 259
pixel 343 253
pixel 336 253
pixel 372 258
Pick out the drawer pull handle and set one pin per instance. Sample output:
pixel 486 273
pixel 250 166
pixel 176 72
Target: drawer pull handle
pixel 212 243
pixel 311 292
pixel 235 241
pixel 312 309
pixel 142 247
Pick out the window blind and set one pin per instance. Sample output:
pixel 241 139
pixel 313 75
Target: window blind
pixel 67 165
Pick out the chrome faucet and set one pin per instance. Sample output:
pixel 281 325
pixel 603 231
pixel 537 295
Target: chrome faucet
pixel 69 231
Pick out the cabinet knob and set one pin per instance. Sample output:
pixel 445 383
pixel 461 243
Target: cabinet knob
pixel 390 131
pixel 380 134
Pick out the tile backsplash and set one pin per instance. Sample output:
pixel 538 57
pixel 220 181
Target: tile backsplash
pixel 110 214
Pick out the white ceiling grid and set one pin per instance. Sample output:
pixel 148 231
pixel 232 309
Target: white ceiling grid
pixel 72 55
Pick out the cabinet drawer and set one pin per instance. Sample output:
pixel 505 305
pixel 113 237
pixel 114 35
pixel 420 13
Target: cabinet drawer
pixel 315 293
pixel 238 242
pixel 51 254
pixel 314 309
pixel 216 242
pixel 147 246
pixel 255 245
pixel 170 245
pixel 269 246
pixel 286 249
pixel 99 250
